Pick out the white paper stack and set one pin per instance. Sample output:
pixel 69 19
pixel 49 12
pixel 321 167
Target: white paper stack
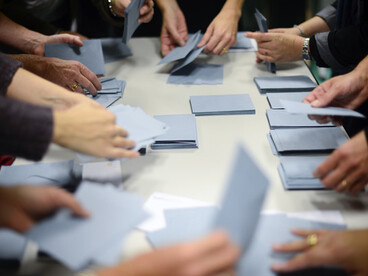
pixel 112 90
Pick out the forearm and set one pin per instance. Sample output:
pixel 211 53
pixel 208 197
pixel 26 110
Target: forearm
pixel 233 6
pixel 32 63
pixel 17 36
pixel 313 26
pixel 30 88
pixel 164 5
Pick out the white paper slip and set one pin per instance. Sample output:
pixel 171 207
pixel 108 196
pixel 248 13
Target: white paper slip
pixel 305 108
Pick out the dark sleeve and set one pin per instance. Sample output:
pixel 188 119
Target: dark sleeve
pixel 341 48
pixel 8 67
pixel 366 133
pixel 25 129
pixel 104 9
pixel 328 14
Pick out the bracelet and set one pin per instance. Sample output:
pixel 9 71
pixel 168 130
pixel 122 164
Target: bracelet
pixel 111 9
pixel 300 29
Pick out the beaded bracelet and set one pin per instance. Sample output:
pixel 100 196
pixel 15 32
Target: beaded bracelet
pixel 111 9
pixel 300 29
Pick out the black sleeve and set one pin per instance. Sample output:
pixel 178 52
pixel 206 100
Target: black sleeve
pixel 8 67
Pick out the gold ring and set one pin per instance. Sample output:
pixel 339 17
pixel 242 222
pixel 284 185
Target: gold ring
pixel 312 240
pixel 75 86
pixel 344 183
pixel 225 50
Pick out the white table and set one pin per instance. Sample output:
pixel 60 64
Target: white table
pixel 201 173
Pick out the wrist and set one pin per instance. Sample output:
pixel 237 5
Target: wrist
pixel 32 41
pixel 298 47
pixel 232 9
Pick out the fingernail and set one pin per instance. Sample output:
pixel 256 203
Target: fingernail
pixel 316 103
pixel 276 246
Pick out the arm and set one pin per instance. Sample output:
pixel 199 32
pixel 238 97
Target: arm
pixel 221 33
pixel 29 41
pixel 174 30
pixel 65 73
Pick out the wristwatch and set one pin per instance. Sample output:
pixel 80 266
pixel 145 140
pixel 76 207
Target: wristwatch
pixel 305 52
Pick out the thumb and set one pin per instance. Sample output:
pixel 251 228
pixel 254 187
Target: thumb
pixel 67 38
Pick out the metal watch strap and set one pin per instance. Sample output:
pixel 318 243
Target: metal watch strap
pixel 305 52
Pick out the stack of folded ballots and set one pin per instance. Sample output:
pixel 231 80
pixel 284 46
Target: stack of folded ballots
pixel 222 105
pixel 300 83
pixel 296 172
pixel 79 242
pixel 112 90
pixel 283 119
pixel 320 139
pixel 182 132
pixel 274 99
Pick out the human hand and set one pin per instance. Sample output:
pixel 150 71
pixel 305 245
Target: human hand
pixel 208 256
pixel 346 249
pixel 91 129
pixel 82 37
pixel 69 74
pixel 174 30
pixel 277 47
pixel 146 12
pixel 37 46
pixel 23 206
pixel 348 91
pixel 221 33
pixel 346 168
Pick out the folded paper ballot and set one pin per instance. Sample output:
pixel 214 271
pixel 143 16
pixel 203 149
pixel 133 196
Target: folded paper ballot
pixel 90 54
pixel 55 173
pixel 75 241
pixel 305 108
pixel 299 83
pixel 188 59
pixel 222 105
pixel 198 74
pixel 296 172
pixel 274 98
pixel 263 27
pixel 320 139
pixel 157 203
pixel 242 43
pixel 112 90
pixel 131 19
pixel 181 52
pixel 182 132
pixel 283 119
pixel 12 248
pixel 276 229
pixel 239 213
pixel 103 172
pixel 114 50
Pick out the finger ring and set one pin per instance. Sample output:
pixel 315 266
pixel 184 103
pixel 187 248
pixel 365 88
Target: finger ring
pixel 225 50
pixel 344 183
pixel 312 240
pixel 75 86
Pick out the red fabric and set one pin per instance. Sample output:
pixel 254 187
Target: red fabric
pixel 6 160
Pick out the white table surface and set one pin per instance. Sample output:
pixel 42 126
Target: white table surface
pixel 201 173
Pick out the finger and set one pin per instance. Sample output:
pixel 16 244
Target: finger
pixel 336 177
pixel 67 38
pixel 80 90
pixel 358 186
pixel 327 166
pixel 206 37
pixel 311 97
pixel 17 220
pixel 122 153
pixel 121 131
pixel 298 245
pixel 304 260
pixel 260 37
pixel 123 143
pixel 146 17
pixel 61 198
pixel 348 182
pixel 178 39
pixel 265 58
pixel 91 77
pixel 83 81
pixel 220 48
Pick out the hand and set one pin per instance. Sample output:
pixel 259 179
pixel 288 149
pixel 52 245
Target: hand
pixel 66 73
pixel 146 12
pixel 221 33
pixel 22 206
pixel 346 168
pixel 174 30
pixel 348 91
pixel 82 37
pixel 346 249
pixel 277 47
pixel 37 46
pixel 208 256
pixel 91 129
